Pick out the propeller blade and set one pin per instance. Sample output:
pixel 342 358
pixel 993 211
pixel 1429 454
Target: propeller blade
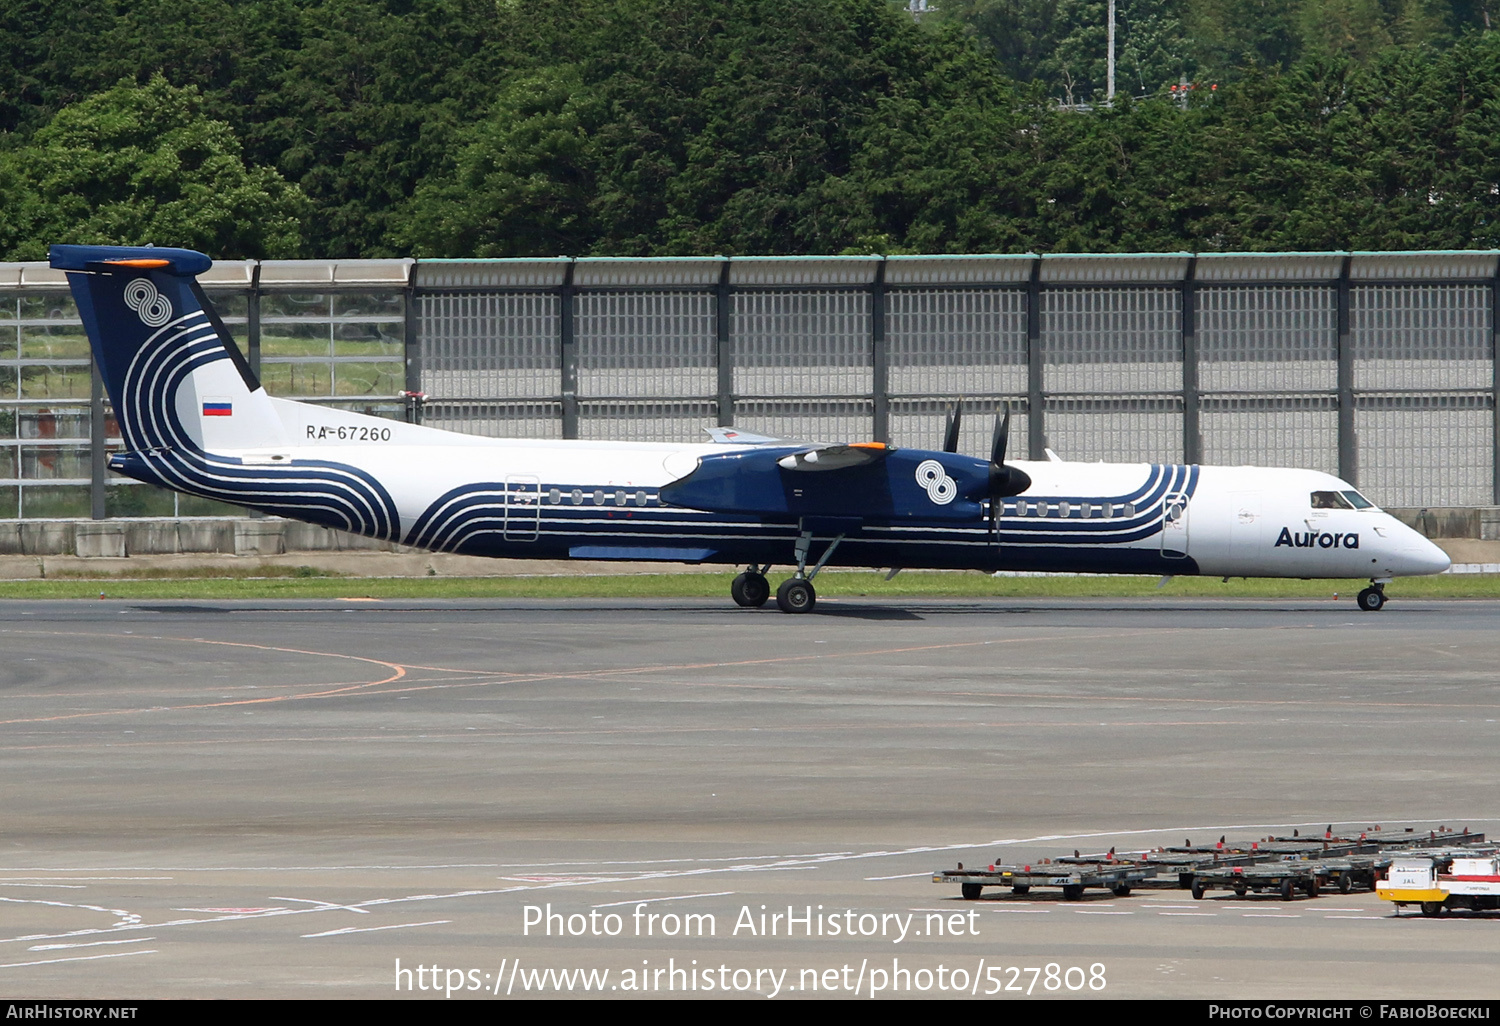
pixel 1001 437
pixel 950 433
pixel 1004 480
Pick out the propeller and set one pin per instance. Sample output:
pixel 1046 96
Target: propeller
pixel 950 433
pixel 1004 480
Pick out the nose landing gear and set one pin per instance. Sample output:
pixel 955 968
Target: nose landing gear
pixel 1372 599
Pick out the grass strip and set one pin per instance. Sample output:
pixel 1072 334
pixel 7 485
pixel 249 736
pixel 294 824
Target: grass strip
pixel 831 584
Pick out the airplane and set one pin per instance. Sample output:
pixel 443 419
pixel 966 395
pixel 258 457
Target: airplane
pixel 194 418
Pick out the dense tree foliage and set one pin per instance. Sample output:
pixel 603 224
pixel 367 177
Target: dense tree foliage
pixel 503 128
pixel 138 163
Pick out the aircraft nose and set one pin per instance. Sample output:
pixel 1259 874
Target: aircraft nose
pixel 1418 555
pixel 1428 558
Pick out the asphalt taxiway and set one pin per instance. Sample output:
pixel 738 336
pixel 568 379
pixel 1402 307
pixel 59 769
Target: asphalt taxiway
pixel 283 799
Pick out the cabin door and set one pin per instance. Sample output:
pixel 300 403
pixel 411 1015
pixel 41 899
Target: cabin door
pixel 1174 526
pixel 523 507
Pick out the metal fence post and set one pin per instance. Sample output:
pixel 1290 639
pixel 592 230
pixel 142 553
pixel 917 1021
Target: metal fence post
pixel 1495 385
pixel 252 345
pixel 568 346
pixel 1348 447
pixel 97 441
pixel 252 323
pixel 1035 420
pixel 724 346
pixel 1192 436
pixel 411 337
pixel 879 374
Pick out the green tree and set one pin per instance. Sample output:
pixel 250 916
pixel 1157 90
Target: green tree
pixel 672 126
pixel 143 164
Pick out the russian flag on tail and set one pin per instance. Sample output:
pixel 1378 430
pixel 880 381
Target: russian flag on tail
pixel 218 409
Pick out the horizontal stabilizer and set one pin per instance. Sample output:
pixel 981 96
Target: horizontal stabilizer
pixel 182 263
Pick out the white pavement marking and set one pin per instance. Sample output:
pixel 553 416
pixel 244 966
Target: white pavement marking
pixel 761 864
pixel 675 897
pixel 79 958
pixel 88 944
pixel 899 876
pixel 322 905
pixel 1269 915
pixel 376 929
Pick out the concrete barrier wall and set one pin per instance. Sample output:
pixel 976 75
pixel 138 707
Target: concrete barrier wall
pixel 121 538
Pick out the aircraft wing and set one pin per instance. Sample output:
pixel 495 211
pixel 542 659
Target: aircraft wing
pixel 738 436
pixel 856 481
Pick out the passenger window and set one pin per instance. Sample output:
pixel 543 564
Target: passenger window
pixel 1064 509
pixel 578 496
pixel 1330 500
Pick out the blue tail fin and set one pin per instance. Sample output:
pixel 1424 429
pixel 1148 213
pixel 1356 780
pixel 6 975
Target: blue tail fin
pixel 174 374
pixel 190 410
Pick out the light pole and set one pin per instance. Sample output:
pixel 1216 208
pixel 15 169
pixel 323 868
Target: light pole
pixel 1109 89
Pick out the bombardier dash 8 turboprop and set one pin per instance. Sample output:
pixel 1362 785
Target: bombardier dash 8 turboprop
pixel 194 418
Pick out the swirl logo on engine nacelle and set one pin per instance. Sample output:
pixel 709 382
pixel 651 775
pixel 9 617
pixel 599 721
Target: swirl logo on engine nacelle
pixel 940 488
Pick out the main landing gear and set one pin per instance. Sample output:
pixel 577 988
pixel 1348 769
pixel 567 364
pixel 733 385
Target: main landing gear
pixel 796 594
pixel 1372 599
pixel 751 587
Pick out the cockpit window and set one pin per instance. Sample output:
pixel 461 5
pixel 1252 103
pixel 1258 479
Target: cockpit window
pixel 1333 500
pixel 1359 501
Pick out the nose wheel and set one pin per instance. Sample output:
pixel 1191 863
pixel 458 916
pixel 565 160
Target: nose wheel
pixel 1372 599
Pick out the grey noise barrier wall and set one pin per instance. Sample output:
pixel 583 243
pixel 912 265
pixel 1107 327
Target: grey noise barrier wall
pixel 1379 367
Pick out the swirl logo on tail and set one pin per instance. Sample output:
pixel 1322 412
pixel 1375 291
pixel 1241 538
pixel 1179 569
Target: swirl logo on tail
pixel 153 308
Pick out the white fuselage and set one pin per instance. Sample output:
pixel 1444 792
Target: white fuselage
pixel 1229 521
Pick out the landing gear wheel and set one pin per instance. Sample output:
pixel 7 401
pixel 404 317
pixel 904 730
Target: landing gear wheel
pixel 971 891
pixel 796 595
pixel 1371 600
pixel 1286 889
pixel 750 590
